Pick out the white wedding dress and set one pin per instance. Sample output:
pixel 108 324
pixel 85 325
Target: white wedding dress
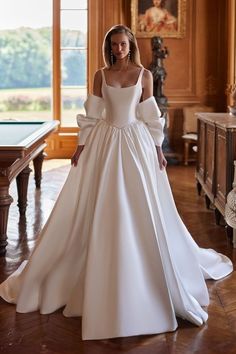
pixel 114 249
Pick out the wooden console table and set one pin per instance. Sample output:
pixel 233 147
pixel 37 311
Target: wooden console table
pixel 20 143
pixel 216 155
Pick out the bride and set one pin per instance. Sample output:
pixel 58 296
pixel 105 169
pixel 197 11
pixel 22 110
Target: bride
pixel 114 249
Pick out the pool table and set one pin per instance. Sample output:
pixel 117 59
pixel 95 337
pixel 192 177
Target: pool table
pixel 20 143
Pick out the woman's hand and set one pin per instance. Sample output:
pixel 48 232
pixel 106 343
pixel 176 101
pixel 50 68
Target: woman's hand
pixel 76 155
pixel 161 158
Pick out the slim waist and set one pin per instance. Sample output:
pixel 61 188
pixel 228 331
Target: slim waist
pixel 122 126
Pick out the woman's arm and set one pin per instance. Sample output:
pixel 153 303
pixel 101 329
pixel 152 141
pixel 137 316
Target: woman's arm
pixel 76 155
pixel 147 83
pixel 97 83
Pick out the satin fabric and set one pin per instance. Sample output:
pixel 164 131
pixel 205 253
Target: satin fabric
pixel 114 249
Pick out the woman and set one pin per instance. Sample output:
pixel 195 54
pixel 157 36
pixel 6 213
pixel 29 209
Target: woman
pixel 115 250
pixel 157 18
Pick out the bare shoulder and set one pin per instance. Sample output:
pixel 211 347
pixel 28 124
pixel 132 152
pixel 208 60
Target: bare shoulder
pixel 98 75
pixel 147 75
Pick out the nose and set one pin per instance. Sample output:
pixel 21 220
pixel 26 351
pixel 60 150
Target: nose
pixel 119 48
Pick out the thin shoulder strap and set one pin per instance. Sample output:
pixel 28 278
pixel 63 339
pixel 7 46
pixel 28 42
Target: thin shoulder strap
pixel 103 76
pixel 140 75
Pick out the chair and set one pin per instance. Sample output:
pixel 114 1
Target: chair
pixel 190 128
pixel 230 210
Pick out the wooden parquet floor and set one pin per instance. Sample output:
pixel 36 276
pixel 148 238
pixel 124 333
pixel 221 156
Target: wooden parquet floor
pixel 46 334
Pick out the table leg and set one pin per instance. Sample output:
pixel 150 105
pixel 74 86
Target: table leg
pixel 207 201
pixel 22 187
pixel 38 162
pixel 5 202
pixel 199 188
pixel 217 216
pixel 229 232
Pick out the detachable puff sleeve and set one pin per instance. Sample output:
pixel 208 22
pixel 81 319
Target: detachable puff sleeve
pixel 94 107
pixel 150 114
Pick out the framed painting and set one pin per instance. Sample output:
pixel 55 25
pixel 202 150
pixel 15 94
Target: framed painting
pixel 165 18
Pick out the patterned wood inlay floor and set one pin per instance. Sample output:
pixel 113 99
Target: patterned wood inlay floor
pixel 34 333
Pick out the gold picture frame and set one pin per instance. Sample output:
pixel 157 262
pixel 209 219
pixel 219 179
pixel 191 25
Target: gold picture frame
pixel 165 18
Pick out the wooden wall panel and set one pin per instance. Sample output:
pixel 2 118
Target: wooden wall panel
pixel 213 42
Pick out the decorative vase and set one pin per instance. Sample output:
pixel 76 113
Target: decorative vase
pixel 232 110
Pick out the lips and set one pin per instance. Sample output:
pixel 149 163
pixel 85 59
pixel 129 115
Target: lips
pixel 118 55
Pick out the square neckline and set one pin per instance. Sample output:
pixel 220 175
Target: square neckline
pixel 125 87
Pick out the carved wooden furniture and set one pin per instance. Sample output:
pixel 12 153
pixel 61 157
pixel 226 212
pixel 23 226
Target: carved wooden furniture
pixel 216 155
pixel 190 128
pixel 20 143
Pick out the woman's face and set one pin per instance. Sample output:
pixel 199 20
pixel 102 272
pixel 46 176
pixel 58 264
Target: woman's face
pixel 120 45
pixel 157 3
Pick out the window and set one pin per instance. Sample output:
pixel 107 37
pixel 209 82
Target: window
pixel 25 59
pixel 28 89
pixel 73 51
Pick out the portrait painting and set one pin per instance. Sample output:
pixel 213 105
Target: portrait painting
pixel 165 18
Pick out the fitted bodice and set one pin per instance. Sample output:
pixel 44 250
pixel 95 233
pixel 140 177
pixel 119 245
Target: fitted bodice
pixel 121 102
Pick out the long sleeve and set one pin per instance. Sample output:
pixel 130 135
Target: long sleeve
pixel 94 107
pixel 150 114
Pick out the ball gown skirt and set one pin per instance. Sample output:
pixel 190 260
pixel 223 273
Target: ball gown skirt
pixel 114 249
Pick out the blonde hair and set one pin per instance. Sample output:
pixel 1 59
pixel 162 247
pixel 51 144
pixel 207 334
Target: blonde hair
pixel 106 48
